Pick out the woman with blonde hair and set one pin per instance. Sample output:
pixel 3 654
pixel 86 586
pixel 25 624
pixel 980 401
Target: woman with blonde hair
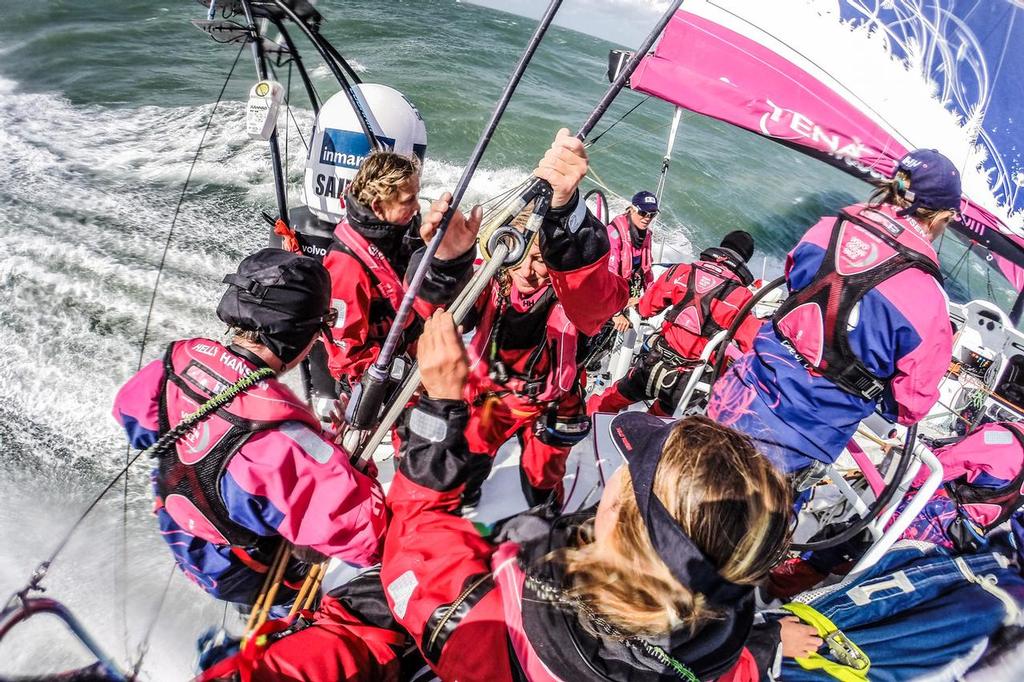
pixel 379 241
pixel 656 583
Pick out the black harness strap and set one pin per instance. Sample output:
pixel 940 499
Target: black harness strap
pixel 199 482
pixel 836 296
pixel 533 385
pixel 708 326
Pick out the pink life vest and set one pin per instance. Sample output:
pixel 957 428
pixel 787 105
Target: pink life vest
pixel 997 450
pixel 561 338
pixel 509 578
pixel 621 251
pixel 189 474
pixel 867 247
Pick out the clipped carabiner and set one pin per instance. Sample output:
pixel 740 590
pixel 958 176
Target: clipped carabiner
pixel 845 651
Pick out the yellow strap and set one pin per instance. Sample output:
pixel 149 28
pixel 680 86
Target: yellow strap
pixel 853 664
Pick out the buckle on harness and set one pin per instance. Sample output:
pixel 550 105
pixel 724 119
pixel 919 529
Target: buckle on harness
pixel 669 355
pixel 859 381
pixel 531 389
pixel 845 651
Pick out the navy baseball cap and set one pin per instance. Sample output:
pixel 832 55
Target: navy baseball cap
pixel 645 201
pixel 934 181
pixel 640 437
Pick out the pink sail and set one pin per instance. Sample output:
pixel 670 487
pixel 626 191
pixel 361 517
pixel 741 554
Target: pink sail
pixel 705 67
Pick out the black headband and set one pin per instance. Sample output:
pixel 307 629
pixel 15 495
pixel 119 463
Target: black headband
pixel 685 560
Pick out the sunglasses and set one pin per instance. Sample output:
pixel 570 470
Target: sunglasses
pixel 646 214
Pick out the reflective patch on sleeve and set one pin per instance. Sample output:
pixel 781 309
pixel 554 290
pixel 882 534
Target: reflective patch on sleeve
pixel 998 437
pixel 342 308
pixel 577 216
pixel 428 426
pixel 308 441
pixel 400 590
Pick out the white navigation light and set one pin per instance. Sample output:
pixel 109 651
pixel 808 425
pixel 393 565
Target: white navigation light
pixel 339 143
pixel 261 111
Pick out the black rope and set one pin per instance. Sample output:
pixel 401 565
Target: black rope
pixel 287 109
pixel 177 211
pixel 597 137
pixel 289 114
pixel 165 441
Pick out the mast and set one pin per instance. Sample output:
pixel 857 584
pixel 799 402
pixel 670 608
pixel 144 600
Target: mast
pixel 275 151
pixel 666 161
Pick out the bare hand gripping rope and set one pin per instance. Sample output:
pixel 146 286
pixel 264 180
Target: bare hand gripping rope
pixel 502 244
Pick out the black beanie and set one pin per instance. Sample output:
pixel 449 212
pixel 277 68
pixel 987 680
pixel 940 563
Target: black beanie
pixel 741 242
pixel 282 296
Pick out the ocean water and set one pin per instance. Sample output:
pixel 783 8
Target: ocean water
pixel 102 105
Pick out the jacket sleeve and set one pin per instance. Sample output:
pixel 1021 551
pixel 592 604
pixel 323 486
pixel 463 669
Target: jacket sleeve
pixel 442 281
pixel 915 387
pixel 136 406
pixel 750 326
pixel 668 290
pixel 348 352
pixel 575 248
pixel 432 555
pixel 294 482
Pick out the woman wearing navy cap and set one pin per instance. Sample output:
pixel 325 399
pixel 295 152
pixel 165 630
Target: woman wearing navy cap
pixel 630 249
pixel 656 583
pixel 865 325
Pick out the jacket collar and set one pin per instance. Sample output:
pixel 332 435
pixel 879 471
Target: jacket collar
pixel 731 260
pixel 566 646
pixel 364 221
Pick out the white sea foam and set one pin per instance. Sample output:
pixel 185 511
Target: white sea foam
pixel 88 195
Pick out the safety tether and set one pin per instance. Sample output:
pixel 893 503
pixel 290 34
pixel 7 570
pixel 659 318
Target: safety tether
pixel 853 664
pixel 164 442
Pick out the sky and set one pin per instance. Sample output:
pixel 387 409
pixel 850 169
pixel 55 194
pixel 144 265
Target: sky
pixel 624 22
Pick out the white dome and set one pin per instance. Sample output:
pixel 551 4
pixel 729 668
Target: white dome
pixel 339 144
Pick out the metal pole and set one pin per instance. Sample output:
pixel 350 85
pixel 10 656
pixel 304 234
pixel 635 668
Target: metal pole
pixel 459 309
pixel 665 163
pixel 627 71
pixel 536 189
pixel 314 97
pixel 275 152
pixel 366 120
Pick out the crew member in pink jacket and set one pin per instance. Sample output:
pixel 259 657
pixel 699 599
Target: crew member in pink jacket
pixel 866 324
pixel 629 252
pixel 259 469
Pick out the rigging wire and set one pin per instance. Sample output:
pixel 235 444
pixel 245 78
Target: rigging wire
pixel 959 264
pixel 144 642
pixel 128 459
pixel 597 137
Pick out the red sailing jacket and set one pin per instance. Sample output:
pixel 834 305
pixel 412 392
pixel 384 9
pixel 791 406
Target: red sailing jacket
pixel 682 331
pixel 368 262
pixel 461 597
pixel 541 332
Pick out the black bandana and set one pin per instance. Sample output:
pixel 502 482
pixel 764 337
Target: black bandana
pixel 282 296
pixel 640 438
